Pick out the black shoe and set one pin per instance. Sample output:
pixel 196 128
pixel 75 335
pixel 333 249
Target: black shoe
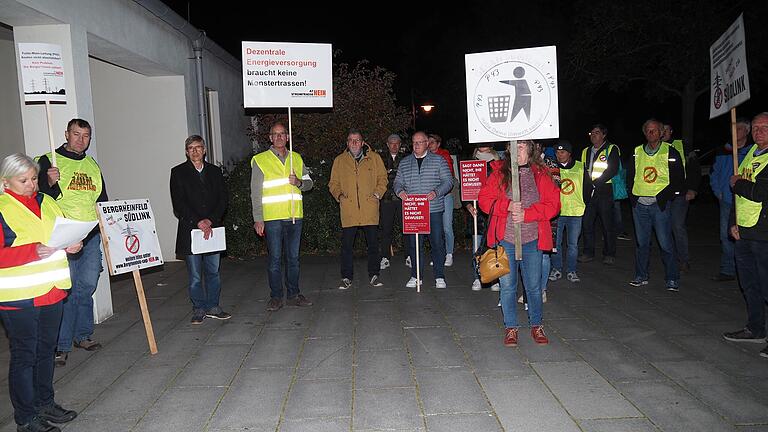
pixel 61 358
pixel 609 260
pixel 743 335
pixel 198 316
pixel 56 414
pixel 764 352
pixel 585 258
pixel 88 345
pixel 217 313
pixel 37 425
pixel 722 277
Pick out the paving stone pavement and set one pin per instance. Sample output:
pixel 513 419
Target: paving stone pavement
pixel 388 358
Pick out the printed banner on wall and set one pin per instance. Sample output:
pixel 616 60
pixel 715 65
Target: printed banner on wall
pixel 42 72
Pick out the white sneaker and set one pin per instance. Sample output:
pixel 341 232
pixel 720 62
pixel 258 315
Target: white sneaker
pixel 544 296
pixel 520 299
pixel 449 260
pixel 555 274
pixel 440 283
pixel 476 285
pixel 375 281
pixel 411 283
pixel 345 284
pixel 408 261
pixel 384 264
pixel 496 287
pixel 499 305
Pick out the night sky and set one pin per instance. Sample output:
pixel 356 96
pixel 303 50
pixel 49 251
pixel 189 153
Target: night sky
pixel 424 45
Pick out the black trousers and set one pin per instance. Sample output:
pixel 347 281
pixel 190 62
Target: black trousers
pixel 347 249
pixel 389 213
pixel 600 206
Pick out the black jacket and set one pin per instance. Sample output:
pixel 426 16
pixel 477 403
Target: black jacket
pixel 391 167
pixel 676 180
pixel 196 196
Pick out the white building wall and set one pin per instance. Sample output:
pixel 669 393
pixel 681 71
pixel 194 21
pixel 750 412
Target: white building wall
pixel 143 124
pixel 10 113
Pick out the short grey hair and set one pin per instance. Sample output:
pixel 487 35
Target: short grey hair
pixel 649 121
pixel 15 165
pixel 192 139
pixel 394 137
pixel 762 114
pixel 747 124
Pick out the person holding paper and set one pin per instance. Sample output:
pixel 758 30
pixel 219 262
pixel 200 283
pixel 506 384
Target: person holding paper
pixel 278 178
pixel 199 197
pixel 424 172
pixel 34 280
pixel 358 182
pixel 77 184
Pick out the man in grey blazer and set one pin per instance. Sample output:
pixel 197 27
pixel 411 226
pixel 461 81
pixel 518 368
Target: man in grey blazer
pixel 425 173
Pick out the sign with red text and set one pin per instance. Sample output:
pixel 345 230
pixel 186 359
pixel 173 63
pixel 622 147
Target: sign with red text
pixel 42 72
pixel 129 236
pixel 416 215
pixel 728 69
pixel 473 174
pixel 512 94
pixel 282 74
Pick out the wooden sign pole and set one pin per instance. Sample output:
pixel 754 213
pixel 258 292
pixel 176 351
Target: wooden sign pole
pixel 290 155
pixel 50 132
pixel 418 269
pixel 515 179
pixel 735 151
pixel 139 290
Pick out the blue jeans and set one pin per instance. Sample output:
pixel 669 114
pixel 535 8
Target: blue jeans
pixel 201 267
pixel 727 260
pixel 546 265
pixel 679 207
pixel 437 246
pixel 77 316
pixel 531 269
pixel 751 256
pixel 283 239
pixel 448 223
pixel 572 225
pixel 650 218
pixel 618 220
pixel 32 333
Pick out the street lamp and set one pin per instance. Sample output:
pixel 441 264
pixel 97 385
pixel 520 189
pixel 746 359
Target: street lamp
pixel 427 108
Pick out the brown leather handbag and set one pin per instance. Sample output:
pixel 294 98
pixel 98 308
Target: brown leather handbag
pixel 494 262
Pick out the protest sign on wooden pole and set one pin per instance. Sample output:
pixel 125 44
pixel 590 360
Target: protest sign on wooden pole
pixel 472 174
pixel 416 221
pixel 130 243
pixel 515 187
pixel 42 74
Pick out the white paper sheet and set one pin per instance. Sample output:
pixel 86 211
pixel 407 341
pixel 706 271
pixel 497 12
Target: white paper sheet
pixel 67 232
pixel 216 242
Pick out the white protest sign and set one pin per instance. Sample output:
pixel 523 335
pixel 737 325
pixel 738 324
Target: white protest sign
pixel 42 72
pixel 281 74
pixel 129 236
pixel 728 69
pixel 512 95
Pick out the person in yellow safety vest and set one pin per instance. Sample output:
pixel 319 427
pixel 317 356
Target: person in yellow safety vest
pixel 77 184
pixel 278 178
pixel 653 180
pixel 34 280
pixel 602 161
pixel 749 227
pixel 688 192
pixel 575 193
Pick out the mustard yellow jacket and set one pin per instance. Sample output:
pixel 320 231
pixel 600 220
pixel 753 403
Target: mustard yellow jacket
pixel 358 187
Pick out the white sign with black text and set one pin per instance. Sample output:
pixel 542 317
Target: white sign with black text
pixel 129 236
pixel 728 70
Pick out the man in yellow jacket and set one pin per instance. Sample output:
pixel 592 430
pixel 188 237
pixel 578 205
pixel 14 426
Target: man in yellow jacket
pixel 358 181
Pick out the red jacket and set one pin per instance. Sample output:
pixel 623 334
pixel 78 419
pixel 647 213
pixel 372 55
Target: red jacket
pixel 448 159
pixel 541 212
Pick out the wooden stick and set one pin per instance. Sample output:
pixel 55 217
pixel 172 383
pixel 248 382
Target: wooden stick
pixel 50 132
pixel 474 237
pixel 515 179
pixel 733 142
pixel 145 312
pixel 290 156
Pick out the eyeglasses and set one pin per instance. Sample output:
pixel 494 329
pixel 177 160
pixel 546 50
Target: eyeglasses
pixel 277 134
pixel 195 148
pixel 759 128
pixel 597 132
pixel 354 141
pixel 421 142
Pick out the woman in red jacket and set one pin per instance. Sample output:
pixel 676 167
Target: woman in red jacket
pixel 539 202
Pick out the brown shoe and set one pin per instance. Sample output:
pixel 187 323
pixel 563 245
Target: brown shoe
pixel 510 337
pixel 300 301
pixel 537 332
pixel 274 304
pixel 88 345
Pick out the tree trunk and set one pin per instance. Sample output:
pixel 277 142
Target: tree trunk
pixel 689 106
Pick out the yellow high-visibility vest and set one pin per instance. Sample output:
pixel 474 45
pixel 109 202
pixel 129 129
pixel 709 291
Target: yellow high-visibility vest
pixel 601 161
pixel 651 172
pixel 276 192
pixel 678 145
pixel 38 277
pixel 747 211
pixel 80 184
pixel 572 190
